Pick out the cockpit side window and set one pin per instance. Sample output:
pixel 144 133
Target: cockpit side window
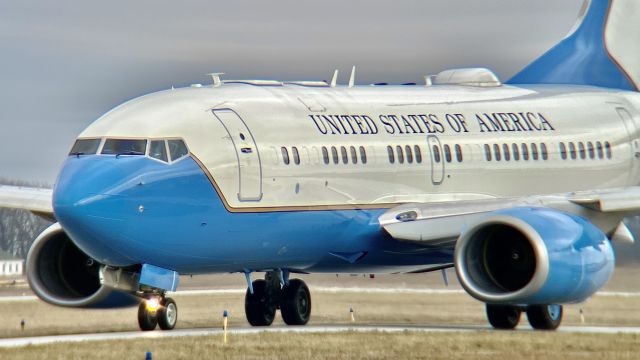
pixel 177 149
pixel 124 147
pixel 85 147
pixel 158 150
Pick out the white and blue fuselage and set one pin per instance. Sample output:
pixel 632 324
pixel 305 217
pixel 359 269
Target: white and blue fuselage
pixel 295 177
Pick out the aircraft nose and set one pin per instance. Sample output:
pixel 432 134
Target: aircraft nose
pixel 88 204
pixel 81 178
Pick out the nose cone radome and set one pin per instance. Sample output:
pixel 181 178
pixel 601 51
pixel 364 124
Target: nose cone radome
pixel 89 202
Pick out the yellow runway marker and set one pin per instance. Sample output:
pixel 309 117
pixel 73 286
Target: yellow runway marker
pixel 225 323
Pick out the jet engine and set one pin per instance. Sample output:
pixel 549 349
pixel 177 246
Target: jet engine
pixel 61 274
pixel 529 256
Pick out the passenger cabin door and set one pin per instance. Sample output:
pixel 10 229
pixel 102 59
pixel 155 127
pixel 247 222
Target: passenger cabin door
pixel 249 167
pixel 437 161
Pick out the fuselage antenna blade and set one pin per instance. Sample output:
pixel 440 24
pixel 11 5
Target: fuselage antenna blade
pixel 216 78
pixel 334 79
pixel 352 78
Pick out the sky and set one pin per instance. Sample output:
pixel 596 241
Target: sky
pixel 64 63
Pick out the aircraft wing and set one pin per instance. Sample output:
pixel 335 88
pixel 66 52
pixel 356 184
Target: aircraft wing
pixel 36 200
pixel 440 224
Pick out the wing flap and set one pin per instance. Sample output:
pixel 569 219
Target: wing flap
pixel 440 224
pixel 615 200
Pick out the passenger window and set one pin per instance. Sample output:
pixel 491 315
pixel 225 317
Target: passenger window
pixel 296 155
pixel 599 148
pixel 391 155
pixel 447 153
pixel 496 152
pixel 582 151
pixel 572 150
pixel 534 151
pixel 158 150
pixel 436 153
pixel 400 154
pixel 563 151
pixel 124 147
pixel 543 151
pixel 590 150
pixel 487 152
pixel 407 150
pixel 418 153
pixel 505 151
pixel 325 155
pixel 525 151
pixel 345 156
pixel 354 155
pixel 458 153
pixel 516 151
pixel 334 154
pixel 607 147
pixel 85 147
pixel 363 155
pixel 285 155
pixel 177 149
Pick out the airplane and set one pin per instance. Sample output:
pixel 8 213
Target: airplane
pixel 520 185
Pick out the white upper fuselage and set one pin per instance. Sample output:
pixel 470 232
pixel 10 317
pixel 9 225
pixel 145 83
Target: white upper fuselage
pixel 245 162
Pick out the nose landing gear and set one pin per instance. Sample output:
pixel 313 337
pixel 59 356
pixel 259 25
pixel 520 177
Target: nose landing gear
pixel 154 311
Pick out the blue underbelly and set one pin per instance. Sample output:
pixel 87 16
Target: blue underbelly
pixel 171 216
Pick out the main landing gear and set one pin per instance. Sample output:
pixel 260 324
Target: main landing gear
pixel 541 317
pixel 275 292
pixel 157 311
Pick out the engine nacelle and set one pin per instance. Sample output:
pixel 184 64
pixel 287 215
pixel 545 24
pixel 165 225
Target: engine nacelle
pixel 60 274
pixel 533 256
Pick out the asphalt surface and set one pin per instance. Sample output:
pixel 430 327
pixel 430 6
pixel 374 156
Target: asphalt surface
pixel 158 334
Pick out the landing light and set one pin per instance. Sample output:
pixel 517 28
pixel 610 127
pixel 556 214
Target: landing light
pixel 407 216
pixel 152 304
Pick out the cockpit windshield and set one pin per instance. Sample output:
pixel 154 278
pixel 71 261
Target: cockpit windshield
pixel 177 149
pixel 85 147
pixel 165 150
pixel 124 147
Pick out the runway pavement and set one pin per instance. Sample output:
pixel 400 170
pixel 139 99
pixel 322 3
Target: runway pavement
pixel 158 334
pixel 41 340
pixel 324 289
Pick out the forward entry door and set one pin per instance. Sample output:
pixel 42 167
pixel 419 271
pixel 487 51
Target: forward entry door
pixel 249 167
pixel 437 162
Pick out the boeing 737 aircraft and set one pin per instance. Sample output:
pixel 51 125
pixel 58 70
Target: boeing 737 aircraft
pixel 520 186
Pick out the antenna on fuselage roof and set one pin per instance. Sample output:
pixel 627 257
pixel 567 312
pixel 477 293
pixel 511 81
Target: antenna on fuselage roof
pixel 216 78
pixel 334 79
pixel 352 78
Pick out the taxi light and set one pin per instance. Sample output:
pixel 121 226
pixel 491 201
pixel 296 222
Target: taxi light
pixel 152 304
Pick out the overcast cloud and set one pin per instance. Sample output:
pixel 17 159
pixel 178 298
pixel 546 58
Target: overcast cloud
pixel 64 63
